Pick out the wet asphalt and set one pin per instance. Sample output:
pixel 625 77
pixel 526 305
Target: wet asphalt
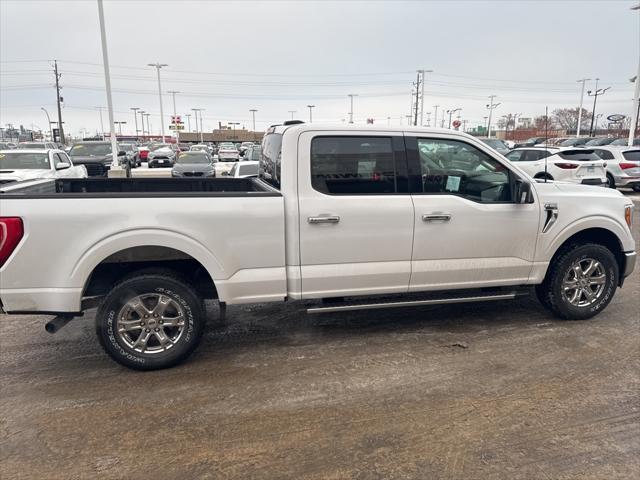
pixel 479 391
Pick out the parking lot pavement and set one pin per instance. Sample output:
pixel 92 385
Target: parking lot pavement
pixel 483 391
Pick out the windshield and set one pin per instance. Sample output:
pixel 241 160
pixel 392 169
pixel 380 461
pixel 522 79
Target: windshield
pixel 88 149
pixel 31 145
pixel 158 146
pixel 126 147
pixel 248 169
pixel 494 143
pixel 24 161
pixel 227 146
pixel 194 158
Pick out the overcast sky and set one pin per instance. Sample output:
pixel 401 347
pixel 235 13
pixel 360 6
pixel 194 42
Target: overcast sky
pixel 229 57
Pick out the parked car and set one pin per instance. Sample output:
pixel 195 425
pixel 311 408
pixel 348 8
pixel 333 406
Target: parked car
pixel 162 155
pixel 599 141
pixel 625 141
pixel 498 145
pixel 623 165
pixel 574 142
pixel 227 153
pixel 201 148
pixel 193 164
pixel 244 169
pixel 37 145
pixel 95 156
pixel 243 147
pixel 340 214
pixel 531 142
pixel 131 154
pixel 22 164
pixel 7 146
pixel 575 165
pixel 253 153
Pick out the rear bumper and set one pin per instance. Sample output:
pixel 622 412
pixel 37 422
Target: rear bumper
pixel 624 181
pixel 598 182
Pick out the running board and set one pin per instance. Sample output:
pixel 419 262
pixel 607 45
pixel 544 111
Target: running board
pixel 414 303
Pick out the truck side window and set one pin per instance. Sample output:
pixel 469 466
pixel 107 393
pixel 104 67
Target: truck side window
pixel 458 168
pixel 344 165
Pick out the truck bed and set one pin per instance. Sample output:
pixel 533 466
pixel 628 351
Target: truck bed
pixel 132 187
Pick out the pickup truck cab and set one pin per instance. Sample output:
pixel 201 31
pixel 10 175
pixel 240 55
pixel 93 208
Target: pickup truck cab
pixel 339 217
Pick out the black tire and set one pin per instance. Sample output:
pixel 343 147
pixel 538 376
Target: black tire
pixel 550 292
pixel 636 188
pixel 182 299
pixel 611 183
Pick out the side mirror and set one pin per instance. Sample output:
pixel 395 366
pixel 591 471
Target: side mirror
pixel 522 191
pixel 122 153
pixel 63 166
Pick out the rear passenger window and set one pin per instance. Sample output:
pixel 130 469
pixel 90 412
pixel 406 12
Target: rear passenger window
pixel 353 165
pixel 604 154
pixel 632 155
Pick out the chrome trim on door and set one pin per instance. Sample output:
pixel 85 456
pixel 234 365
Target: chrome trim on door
pixel 328 219
pixel 436 217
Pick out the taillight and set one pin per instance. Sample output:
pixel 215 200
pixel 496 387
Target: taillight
pixel 11 232
pixel 144 154
pixel 625 165
pixel 566 165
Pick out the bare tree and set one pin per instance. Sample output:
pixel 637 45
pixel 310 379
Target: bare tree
pixel 567 118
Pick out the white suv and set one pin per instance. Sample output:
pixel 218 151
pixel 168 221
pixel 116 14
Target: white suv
pixel 574 165
pixel 623 165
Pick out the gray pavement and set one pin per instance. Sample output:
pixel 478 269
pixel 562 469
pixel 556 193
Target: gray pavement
pixel 483 391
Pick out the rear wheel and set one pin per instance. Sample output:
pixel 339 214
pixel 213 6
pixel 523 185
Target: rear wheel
pixel 636 188
pixel 580 282
pixel 611 183
pixel 150 321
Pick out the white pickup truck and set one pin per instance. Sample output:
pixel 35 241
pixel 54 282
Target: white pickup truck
pixel 339 217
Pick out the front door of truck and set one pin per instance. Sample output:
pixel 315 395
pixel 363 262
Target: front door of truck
pixel 469 231
pixel 355 213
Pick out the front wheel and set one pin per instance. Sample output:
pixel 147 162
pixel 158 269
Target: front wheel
pixel 611 183
pixel 150 321
pixel 580 282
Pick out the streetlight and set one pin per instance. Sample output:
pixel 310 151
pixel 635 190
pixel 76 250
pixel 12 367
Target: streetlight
pixel 101 123
pixel 195 115
pixel 142 121
pixel 48 122
pixel 158 66
pixel 351 95
pixel 292 112
pixel 135 117
pixel 451 112
pixel 596 93
pixel 188 115
pixel 422 96
pixel 311 107
pixel 175 115
pixel 147 115
pixel 583 81
pixel 435 116
pixel 491 107
pixel 253 119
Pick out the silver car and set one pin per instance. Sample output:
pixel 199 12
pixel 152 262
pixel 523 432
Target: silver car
pixel 623 165
pixel 193 164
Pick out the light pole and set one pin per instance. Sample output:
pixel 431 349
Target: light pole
pixel 490 106
pixel 188 115
pixel 451 112
pixel 351 95
pixel 583 81
pixel 147 115
pixel 200 110
pixel 175 115
pixel 253 119
pixel 158 66
pixel 422 96
pixel 115 164
pixel 195 115
pixel 142 121
pixel 48 121
pixel 292 112
pixel 135 117
pixel 310 107
pixel 596 93
pixel 435 116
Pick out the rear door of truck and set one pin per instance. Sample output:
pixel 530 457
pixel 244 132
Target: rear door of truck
pixel 355 213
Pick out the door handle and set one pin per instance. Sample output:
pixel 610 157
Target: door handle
pixel 436 217
pixel 328 219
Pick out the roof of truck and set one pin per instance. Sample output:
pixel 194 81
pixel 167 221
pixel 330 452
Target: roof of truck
pixel 361 127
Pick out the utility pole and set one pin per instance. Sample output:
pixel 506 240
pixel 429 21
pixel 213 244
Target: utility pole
pixel 135 117
pixel 596 93
pixel 147 115
pixel 583 81
pixel 188 115
pixel 195 114
pixel 200 110
pixel 253 122
pixel 417 104
pixel 158 66
pixel 292 112
pixel 428 119
pixel 48 121
pixel 60 128
pixel 351 95
pixel 175 115
pixel 490 106
pixel 310 107
pixel 435 116
pixel 142 121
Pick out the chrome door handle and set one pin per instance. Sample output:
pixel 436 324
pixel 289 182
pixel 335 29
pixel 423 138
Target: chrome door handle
pixel 328 219
pixel 436 217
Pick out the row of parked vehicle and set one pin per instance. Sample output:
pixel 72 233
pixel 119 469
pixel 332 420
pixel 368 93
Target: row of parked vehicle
pixel 605 161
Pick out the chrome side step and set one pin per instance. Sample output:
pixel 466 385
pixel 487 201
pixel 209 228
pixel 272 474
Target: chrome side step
pixel 413 303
